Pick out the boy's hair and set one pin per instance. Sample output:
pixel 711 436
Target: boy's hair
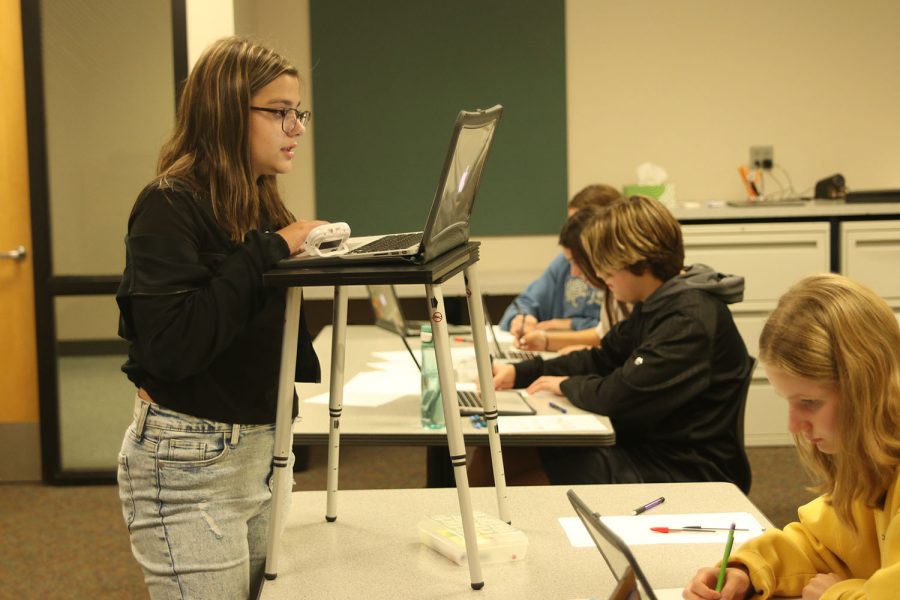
pixel 837 332
pixel 209 150
pixel 598 194
pixel 635 234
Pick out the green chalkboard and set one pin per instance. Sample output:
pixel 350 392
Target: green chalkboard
pixel 388 79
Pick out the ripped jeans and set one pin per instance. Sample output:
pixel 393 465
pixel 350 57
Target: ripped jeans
pixel 196 497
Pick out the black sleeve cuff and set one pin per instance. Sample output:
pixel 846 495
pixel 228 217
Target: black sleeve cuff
pixel 527 371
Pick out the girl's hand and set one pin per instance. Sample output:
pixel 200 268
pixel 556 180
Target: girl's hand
pixel 504 376
pixel 535 340
pixel 295 233
pixel 703 585
pixel 819 584
pixel 555 324
pixel 521 325
pixel 547 383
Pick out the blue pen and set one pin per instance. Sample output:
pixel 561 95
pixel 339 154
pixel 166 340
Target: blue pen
pixel 561 409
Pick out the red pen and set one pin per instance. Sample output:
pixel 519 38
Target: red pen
pixel 692 529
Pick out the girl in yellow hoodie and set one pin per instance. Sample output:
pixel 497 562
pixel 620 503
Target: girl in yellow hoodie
pixel 832 349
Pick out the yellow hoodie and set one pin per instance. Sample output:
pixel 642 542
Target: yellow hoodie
pixel 781 563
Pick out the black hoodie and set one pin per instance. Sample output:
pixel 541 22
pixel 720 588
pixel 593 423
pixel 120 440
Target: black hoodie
pixel 669 378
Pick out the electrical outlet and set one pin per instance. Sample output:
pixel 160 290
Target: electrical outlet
pixel 762 157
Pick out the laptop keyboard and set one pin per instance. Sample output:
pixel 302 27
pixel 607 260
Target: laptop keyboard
pixel 470 399
pixel 398 241
pixel 520 354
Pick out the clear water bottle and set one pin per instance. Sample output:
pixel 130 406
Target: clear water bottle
pixel 432 408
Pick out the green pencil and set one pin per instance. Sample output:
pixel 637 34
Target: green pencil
pixel 728 544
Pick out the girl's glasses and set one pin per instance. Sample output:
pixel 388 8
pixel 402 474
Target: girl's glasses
pixel 289 116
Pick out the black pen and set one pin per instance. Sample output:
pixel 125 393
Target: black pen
pixel 648 506
pixel 520 313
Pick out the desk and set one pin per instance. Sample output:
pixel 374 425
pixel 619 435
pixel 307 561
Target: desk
pixel 373 550
pixel 432 274
pixel 397 423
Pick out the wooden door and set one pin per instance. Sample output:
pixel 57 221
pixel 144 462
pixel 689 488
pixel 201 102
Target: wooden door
pixel 19 431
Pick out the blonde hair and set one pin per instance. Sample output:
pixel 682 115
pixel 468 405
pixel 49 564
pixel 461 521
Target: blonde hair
pixel 209 150
pixel 636 234
pixel 837 332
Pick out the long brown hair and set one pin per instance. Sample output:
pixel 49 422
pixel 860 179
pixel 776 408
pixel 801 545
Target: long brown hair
pixel 839 333
pixel 209 150
pixel 570 239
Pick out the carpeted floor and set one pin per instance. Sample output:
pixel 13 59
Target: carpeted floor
pixel 71 542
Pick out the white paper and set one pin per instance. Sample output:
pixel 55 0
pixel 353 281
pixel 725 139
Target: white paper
pixel 576 532
pixel 635 530
pixel 374 388
pixel 529 424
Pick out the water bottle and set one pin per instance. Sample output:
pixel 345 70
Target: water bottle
pixel 432 407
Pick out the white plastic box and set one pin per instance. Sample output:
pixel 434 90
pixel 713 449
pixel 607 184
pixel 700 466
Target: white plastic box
pixel 497 541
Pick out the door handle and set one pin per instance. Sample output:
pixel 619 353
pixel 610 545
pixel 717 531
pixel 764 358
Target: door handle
pixel 18 254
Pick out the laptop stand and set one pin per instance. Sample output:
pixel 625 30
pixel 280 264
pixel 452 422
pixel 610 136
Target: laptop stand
pixel 431 274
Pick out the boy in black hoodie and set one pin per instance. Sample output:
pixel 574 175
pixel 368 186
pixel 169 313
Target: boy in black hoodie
pixel 669 377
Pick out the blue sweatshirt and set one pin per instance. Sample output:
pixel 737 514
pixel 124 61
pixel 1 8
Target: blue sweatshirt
pixel 556 294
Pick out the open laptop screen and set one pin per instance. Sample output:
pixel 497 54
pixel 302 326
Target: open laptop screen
pixel 616 554
pixel 448 226
pixel 387 309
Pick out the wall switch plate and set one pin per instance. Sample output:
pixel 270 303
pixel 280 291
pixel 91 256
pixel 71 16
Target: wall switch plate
pixel 762 157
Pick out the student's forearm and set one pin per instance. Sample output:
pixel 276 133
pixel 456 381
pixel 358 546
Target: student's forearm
pixel 561 339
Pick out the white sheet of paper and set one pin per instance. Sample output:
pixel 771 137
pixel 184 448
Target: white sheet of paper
pixel 528 424
pixel 373 388
pixel 576 532
pixel 635 530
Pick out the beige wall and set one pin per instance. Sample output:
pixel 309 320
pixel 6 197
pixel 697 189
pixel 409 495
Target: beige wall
pixel 285 27
pixel 691 85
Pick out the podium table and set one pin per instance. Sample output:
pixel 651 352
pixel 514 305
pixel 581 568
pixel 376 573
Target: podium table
pixel 431 274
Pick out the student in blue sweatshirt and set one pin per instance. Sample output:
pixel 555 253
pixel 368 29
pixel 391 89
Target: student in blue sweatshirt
pixel 559 299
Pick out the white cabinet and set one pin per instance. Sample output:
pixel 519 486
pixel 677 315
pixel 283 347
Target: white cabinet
pixel 870 254
pixel 771 257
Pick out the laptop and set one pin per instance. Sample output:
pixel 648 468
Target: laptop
pixel 509 402
pixel 447 223
pixel 389 313
pixel 618 557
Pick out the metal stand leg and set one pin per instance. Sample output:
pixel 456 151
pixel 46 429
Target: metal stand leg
pixel 283 434
pixel 336 398
pixel 454 432
pixel 486 381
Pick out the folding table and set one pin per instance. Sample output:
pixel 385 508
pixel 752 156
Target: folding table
pixel 431 274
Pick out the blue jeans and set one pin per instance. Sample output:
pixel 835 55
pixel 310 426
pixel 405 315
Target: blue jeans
pixel 196 497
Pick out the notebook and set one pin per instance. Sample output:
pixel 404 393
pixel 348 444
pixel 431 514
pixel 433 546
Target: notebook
pixel 509 402
pixel 389 313
pixel 618 557
pixel 447 223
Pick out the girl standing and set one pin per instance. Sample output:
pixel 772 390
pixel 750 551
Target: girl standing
pixel 204 333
